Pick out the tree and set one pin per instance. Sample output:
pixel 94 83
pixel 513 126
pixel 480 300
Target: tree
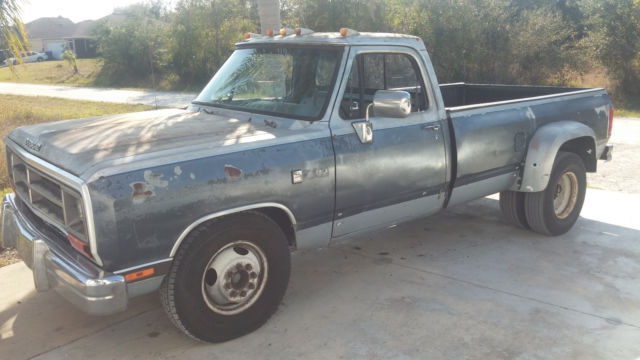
pixel 70 58
pixel 613 29
pixel 133 47
pixel 12 29
pixel 203 34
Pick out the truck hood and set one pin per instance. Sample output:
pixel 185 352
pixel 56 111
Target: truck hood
pixel 84 146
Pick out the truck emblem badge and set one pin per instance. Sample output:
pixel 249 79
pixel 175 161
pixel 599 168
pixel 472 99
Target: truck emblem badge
pixel 296 176
pixel 33 145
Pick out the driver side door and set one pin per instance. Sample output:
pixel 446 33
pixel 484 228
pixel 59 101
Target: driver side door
pixel 401 174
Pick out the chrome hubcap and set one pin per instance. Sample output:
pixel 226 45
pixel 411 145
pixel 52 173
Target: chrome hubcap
pixel 565 195
pixel 234 278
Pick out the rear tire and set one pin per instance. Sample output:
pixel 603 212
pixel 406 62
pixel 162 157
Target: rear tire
pixel 512 207
pixel 555 210
pixel 228 277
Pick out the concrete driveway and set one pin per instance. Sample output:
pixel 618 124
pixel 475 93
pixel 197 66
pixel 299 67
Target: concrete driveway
pixel 458 285
pixel 145 97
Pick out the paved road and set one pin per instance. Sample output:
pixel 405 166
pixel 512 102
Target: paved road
pixel 146 97
pixel 458 285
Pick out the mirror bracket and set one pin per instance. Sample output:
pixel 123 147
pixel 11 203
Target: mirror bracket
pixel 364 130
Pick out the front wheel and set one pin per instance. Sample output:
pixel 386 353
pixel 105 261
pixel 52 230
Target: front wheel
pixel 228 277
pixel 555 210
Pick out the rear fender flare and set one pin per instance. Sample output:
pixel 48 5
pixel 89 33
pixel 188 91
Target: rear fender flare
pixel 542 151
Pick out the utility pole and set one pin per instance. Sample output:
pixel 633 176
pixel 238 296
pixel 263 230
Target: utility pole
pixel 269 12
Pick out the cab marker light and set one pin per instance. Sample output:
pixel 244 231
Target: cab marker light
pixel 348 32
pixel 303 31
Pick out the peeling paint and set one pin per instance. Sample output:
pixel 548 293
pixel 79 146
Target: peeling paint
pixel 192 176
pixel 530 114
pixel 232 172
pixel 177 170
pixel 143 190
pixel 272 124
pixel 155 179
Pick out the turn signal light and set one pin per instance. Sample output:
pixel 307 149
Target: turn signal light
pixel 283 31
pixel 80 245
pixel 247 36
pixel 269 32
pixel 139 274
pixel 344 31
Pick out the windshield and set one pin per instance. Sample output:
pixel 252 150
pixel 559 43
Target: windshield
pixel 293 82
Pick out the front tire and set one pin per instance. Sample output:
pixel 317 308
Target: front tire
pixel 556 209
pixel 228 277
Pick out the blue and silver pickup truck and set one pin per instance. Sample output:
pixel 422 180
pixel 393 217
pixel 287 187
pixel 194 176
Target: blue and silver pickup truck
pixel 298 140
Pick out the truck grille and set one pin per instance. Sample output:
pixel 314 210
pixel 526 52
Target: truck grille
pixel 48 198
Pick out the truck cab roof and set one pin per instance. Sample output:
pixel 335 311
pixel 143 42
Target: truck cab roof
pixel 335 38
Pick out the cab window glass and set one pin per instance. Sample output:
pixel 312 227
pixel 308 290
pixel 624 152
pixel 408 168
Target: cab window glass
pixel 372 72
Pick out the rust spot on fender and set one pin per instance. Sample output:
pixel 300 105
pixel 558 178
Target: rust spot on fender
pixel 232 172
pixel 143 190
pixel 272 124
pixel 140 192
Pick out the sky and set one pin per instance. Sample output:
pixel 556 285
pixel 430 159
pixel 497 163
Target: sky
pixel 76 10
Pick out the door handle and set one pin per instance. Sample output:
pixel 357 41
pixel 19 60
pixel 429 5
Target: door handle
pixel 431 127
pixel 434 128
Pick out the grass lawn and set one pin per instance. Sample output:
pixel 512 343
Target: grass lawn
pixel 17 111
pixel 626 113
pixel 55 72
pixel 91 73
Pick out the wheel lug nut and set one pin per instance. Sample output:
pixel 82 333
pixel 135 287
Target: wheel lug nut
pixel 248 267
pixel 233 293
pixel 253 275
pixel 239 266
pixel 251 286
pixel 243 293
pixel 227 285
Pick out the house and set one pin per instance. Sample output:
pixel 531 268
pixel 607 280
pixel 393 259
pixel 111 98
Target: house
pixel 55 34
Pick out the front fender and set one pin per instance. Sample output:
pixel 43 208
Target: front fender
pixel 542 151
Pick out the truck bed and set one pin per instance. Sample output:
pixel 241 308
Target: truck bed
pixel 491 126
pixel 463 94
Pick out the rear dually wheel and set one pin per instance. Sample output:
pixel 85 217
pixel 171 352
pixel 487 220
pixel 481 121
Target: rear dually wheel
pixel 556 209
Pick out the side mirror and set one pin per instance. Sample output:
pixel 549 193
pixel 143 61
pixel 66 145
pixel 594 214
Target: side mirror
pixel 393 104
pixel 386 103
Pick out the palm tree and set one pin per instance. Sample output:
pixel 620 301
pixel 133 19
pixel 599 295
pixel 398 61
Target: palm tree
pixel 269 12
pixel 12 31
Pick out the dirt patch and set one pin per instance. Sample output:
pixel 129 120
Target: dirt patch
pixel 8 256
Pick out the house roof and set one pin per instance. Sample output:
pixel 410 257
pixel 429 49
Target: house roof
pixel 58 28
pixel 50 27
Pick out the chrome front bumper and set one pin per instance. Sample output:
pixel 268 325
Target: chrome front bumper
pixel 76 278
